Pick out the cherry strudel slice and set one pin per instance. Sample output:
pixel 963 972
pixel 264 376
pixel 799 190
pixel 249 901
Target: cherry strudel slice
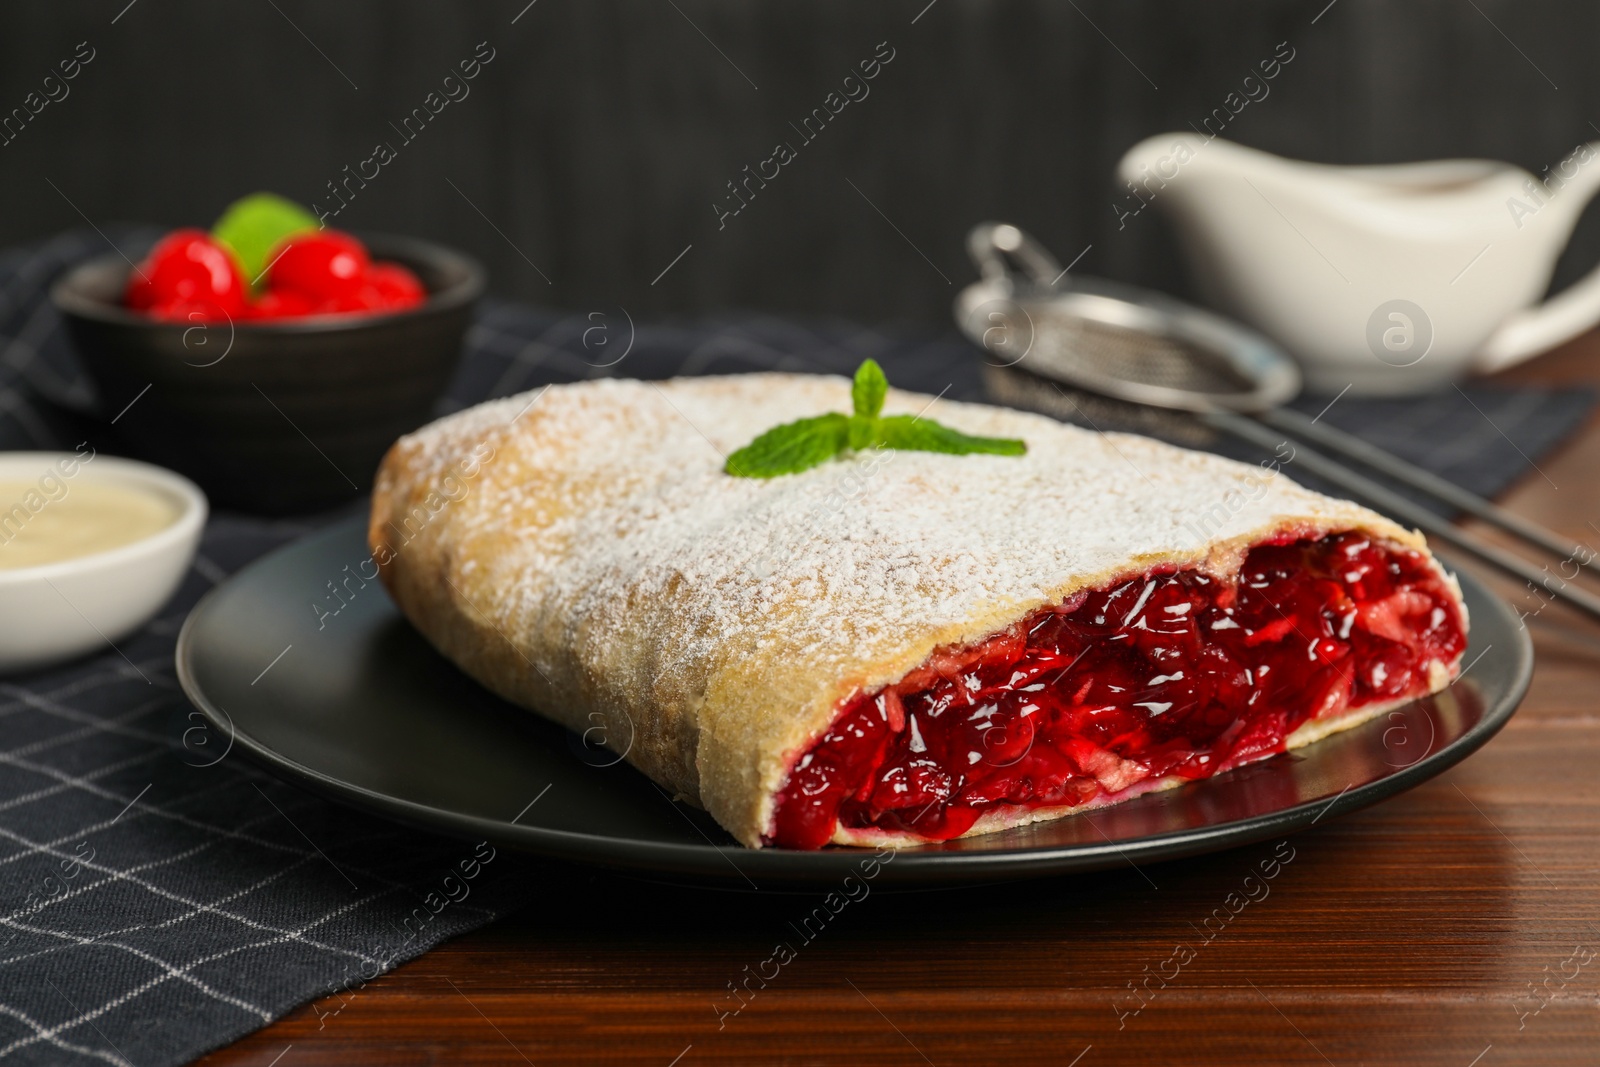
pixel 897 647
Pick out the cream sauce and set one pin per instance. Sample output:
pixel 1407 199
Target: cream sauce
pixel 79 519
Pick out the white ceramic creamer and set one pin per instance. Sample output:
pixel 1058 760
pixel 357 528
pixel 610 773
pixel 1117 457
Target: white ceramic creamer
pixel 1387 279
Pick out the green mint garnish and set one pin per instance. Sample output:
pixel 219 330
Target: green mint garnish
pixel 806 443
pixel 868 389
pixel 253 227
pixel 792 447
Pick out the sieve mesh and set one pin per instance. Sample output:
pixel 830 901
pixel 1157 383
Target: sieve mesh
pixel 1019 389
pixel 1088 351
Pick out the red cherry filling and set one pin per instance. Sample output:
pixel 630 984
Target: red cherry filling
pixel 1167 674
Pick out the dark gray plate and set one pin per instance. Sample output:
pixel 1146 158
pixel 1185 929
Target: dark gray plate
pixel 357 706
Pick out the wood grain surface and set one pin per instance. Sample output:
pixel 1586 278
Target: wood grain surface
pixel 1457 925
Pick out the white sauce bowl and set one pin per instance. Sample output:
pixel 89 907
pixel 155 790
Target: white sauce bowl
pixel 57 611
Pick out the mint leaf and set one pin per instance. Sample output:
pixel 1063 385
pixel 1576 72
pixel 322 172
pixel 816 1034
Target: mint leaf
pixel 253 227
pixel 912 434
pixel 863 432
pixel 807 443
pixel 868 390
pixel 791 448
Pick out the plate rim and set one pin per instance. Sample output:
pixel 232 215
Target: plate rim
pixel 926 863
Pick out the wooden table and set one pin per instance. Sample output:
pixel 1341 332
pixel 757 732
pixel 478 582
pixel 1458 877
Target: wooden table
pixel 1415 932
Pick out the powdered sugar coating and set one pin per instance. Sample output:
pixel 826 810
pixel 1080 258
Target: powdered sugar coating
pixel 722 619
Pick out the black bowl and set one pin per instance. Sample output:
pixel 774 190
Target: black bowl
pixel 273 416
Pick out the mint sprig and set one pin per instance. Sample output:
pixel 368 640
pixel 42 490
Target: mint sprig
pixel 806 443
pixel 792 447
pixel 253 227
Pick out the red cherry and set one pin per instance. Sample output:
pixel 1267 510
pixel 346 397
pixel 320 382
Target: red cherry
pixel 187 272
pixel 398 287
pixel 191 311
pixel 323 266
pixel 282 304
pixel 385 287
pixel 360 299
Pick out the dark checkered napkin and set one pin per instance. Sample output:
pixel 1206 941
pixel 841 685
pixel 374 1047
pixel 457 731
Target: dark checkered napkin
pixel 158 899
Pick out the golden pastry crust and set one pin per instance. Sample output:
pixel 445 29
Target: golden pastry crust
pixel 580 552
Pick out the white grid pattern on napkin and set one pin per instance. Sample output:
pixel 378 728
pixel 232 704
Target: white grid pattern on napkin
pixel 92 755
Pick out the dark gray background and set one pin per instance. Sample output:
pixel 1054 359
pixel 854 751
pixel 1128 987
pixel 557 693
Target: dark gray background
pixel 603 130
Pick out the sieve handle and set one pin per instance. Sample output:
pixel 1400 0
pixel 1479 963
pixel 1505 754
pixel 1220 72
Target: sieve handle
pixel 1334 440
pixel 1403 510
pixel 996 246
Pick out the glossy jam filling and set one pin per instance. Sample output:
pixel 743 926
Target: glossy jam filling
pixel 1172 673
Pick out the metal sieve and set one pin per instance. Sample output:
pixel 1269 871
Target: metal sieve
pixel 1118 357
pixel 1113 340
